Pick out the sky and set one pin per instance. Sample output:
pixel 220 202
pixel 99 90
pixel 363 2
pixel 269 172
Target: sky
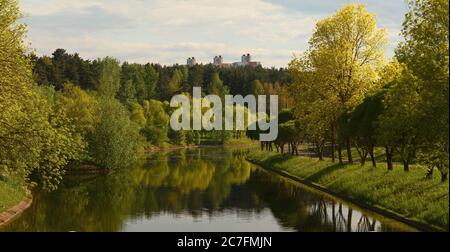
pixel 170 31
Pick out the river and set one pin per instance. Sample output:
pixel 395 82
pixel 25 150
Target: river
pixel 210 189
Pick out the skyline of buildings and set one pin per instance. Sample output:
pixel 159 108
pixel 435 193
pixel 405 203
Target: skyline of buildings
pixel 246 60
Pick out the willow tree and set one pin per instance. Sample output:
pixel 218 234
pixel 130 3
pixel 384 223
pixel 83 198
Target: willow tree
pixel 345 52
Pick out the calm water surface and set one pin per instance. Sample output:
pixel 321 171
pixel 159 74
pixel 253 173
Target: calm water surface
pixel 211 189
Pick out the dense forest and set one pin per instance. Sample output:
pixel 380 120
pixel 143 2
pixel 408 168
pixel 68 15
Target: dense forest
pixel 340 94
pixel 140 82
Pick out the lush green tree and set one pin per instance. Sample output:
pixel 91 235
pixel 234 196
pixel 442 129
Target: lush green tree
pixel 185 85
pixel 360 125
pixel 398 124
pixel 157 126
pixel 61 143
pixel 425 52
pixel 256 88
pixel 127 92
pixel 18 115
pixel 290 133
pixel 174 84
pixel 43 68
pixel 109 77
pixel 312 106
pixel 133 82
pixel 116 142
pixel 35 137
pixel 426 34
pixel 196 76
pixel 286 115
pixel 345 53
pixel 138 115
pixel 217 87
pixel 63 67
pixel 80 108
pixel 151 79
pixel 285 100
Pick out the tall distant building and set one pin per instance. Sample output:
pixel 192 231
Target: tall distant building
pixel 218 60
pixel 191 61
pixel 246 60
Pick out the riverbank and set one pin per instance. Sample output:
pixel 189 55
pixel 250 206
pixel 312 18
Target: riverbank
pixel 229 144
pixel 12 191
pixel 14 199
pixel 407 195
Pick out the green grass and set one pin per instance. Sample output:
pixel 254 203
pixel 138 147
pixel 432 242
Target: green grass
pixel 407 194
pixel 240 141
pixel 12 191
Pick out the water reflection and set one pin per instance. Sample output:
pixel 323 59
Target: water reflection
pixel 195 190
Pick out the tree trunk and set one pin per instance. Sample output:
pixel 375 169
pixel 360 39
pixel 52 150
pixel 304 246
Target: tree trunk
pixel 362 154
pixel 349 220
pixel 333 144
pixel 333 215
pixel 363 158
pixel 349 152
pixel 321 153
pixel 340 154
pixel 406 166
pixel 372 156
pixel 444 176
pixel 389 153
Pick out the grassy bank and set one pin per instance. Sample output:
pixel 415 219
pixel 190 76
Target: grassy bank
pixel 12 191
pixel 408 194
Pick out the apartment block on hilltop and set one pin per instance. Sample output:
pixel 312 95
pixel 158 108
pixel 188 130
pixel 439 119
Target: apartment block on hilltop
pixel 246 60
pixel 191 62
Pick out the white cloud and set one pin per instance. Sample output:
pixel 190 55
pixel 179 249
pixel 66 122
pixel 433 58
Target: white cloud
pixel 169 31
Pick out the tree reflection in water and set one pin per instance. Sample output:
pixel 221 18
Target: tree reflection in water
pixel 205 184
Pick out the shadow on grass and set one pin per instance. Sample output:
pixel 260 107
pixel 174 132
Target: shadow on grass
pixel 324 172
pixel 445 195
pixel 277 159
